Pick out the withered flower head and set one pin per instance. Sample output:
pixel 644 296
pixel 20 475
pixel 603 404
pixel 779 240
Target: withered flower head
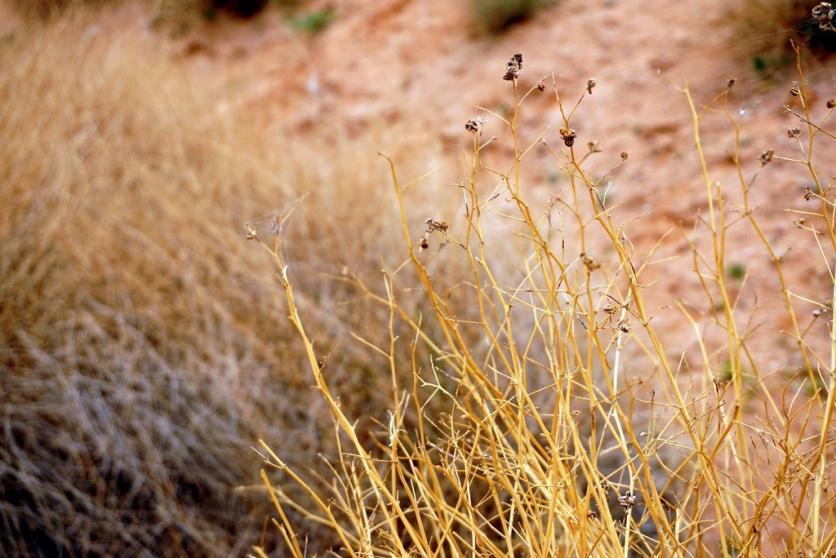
pixel 475 126
pixel 590 262
pixel 434 225
pixel 627 500
pixel 766 156
pixel 568 135
pixel 590 85
pixel 825 16
pixel 513 67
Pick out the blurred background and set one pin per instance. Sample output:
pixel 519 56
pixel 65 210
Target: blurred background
pixel 143 347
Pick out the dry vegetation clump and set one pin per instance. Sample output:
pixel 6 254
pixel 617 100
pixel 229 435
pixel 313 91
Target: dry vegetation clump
pixel 495 16
pixel 141 350
pixel 766 27
pixel 572 427
pixel 175 10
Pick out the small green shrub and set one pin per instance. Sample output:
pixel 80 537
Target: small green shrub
pixel 312 22
pixel 736 271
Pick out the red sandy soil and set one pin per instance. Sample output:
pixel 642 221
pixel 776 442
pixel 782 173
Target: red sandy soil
pixel 419 66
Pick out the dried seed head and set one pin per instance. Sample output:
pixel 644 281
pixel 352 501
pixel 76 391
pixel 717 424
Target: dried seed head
pixel 808 193
pixel 825 16
pixel 766 156
pixel 593 146
pixel 590 263
pixel 590 85
pixel 433 225
pixel 831 103
pixel 793 133
pixel 513 67
pixel 541 86
pixel 731 82
pixel 475 126
pixel 568 135
pixel 795 90
pixel 624 327
pixel 424 244
pixel 624 155
pixel 627 500
pixel 817 312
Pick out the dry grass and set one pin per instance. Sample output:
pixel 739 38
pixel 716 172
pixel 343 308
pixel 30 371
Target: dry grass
pixel 141 348
pixel 549 446
pixel 170 11
pixel 484 389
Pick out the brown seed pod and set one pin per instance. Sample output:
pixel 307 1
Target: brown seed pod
pixel 568 135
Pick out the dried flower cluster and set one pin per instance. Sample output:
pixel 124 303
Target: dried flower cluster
pixel 590 85
pixel 434 225
pixel 766 156
pixel 475 126
pixel 824 14
pixel 513 67
pixel 627 500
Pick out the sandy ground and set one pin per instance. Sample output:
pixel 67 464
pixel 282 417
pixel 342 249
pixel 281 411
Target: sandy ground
pixel 419 66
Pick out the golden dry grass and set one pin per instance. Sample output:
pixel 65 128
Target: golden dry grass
pixel 549 447
pixel 467 398
pixel 142 349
